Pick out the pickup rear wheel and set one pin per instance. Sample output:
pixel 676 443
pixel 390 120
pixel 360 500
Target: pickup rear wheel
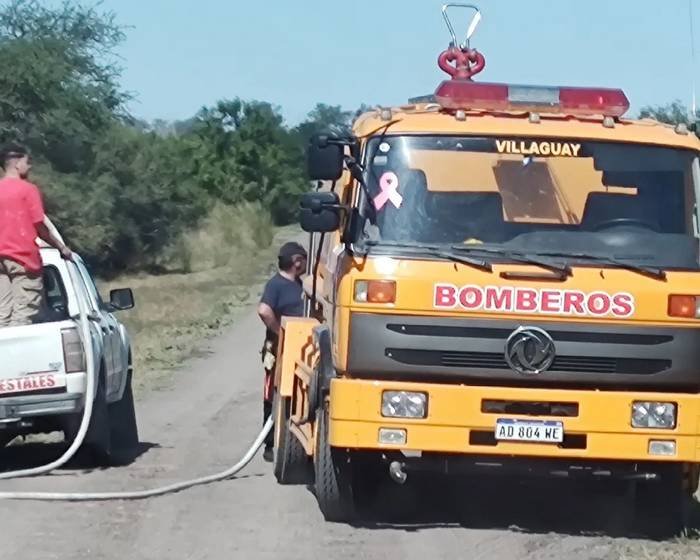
pixel 291 465
pixel 333 475
pixel 97 446
pixel 123 428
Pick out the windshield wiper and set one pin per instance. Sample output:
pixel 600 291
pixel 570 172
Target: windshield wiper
pixel 653 272
pixel 435 251
pixel 563 270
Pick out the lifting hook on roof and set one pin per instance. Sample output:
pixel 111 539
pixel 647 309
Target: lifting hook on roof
pixel 461 61
pixel 472 25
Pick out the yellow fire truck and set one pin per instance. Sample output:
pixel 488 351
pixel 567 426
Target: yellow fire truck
pixel 502 277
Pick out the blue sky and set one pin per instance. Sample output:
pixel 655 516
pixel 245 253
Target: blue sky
pixel 183 54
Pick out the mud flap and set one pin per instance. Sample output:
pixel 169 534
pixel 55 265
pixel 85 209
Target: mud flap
pixel 322 338
pixel 323 370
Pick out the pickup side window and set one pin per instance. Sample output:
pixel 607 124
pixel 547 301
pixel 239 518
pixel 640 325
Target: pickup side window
pixel 54 305
pixel 91 287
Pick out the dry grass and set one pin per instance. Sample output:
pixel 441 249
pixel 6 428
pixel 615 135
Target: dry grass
pixel 221 267
pixel 680 549
pixel 226 235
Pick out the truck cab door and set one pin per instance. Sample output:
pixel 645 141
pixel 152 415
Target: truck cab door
pixel 109 327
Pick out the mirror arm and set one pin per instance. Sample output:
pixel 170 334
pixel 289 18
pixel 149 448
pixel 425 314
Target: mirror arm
pixel 335 207
pixel 349 141
pixel 356 171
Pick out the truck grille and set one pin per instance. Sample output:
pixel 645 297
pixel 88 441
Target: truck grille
pixel 471 350
pixel 486 333
pixel 488 360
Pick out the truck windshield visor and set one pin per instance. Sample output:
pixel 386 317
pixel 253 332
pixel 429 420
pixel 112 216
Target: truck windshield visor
pixel 621 200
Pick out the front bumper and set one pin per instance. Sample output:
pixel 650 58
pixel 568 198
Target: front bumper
pixel 456 422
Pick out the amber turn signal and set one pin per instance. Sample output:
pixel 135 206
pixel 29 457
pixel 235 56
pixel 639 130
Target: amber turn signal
pixel 375 291
pixel 683 306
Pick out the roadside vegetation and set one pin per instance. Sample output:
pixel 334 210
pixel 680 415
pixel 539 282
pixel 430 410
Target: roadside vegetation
pixel 125 192
pixel 223 266
pixel 183 212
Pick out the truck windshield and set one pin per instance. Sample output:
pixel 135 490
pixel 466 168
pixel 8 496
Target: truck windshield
pixel 535 195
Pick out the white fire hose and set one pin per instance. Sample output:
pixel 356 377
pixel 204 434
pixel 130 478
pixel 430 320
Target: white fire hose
pixel 82 431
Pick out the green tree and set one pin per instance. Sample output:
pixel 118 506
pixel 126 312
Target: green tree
pixel 60 84
pixel 123 190
pixel 325 119
pixel 251 157
pixel 672 113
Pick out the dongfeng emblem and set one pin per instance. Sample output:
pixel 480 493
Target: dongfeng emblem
pixel 530 351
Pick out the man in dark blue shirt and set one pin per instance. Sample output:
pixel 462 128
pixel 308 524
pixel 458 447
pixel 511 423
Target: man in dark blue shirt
pixel 283 296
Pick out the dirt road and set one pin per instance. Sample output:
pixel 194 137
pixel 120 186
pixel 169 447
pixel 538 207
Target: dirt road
pixel 203 423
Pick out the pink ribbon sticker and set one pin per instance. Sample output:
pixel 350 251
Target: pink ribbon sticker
pixel 389 183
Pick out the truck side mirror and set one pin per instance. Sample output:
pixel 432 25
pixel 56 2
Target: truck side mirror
pixel 121 299
pixel 320 212
pixel 324 159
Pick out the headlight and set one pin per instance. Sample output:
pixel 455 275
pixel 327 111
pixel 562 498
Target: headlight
pixel 660 415
pixel 403 404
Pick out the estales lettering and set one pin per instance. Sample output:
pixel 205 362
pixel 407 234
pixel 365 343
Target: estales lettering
pixel 29 383
pixel 530 300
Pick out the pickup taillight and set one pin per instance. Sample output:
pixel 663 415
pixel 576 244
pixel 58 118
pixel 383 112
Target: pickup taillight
pixel 73 353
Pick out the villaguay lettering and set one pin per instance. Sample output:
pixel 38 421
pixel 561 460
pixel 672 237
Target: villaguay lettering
pixel 538 148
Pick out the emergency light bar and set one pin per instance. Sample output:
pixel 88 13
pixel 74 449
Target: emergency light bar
pixel 468 95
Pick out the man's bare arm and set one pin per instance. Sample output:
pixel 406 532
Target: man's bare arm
pixel 267 315
pixel 46 235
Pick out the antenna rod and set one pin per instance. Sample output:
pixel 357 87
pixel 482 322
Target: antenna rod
pixel 694 113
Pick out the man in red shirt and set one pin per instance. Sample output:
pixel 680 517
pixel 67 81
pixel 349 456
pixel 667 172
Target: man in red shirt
pixel 21 222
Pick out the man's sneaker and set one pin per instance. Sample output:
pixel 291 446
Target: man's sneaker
pixel 267 454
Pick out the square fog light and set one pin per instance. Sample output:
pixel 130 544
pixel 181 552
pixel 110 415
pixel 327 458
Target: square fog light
pixel 657 415
pixel 663 448
pixel 392 436
pixel 404 404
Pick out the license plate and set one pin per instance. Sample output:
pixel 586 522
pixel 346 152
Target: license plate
pixel 29 383
pixel 540 431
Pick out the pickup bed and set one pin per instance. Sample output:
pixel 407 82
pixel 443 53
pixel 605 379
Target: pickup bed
pixel 43 369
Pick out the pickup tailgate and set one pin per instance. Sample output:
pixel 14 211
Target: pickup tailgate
pixel 32 358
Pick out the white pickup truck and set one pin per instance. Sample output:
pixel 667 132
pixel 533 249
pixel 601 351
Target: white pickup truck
pixel 43 366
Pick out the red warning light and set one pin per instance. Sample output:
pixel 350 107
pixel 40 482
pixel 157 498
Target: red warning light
pixel 468 95
pixel 462 63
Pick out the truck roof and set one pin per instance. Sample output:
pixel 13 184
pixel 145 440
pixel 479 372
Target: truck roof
pixel 428 119
pixel 49 255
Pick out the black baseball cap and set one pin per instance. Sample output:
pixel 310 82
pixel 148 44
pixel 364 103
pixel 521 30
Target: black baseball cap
pixel 291 249
pixel 13 150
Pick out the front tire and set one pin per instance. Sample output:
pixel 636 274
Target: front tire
pixel 661 507
pixel 333 475
pixel 6 439
pixel 290 463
